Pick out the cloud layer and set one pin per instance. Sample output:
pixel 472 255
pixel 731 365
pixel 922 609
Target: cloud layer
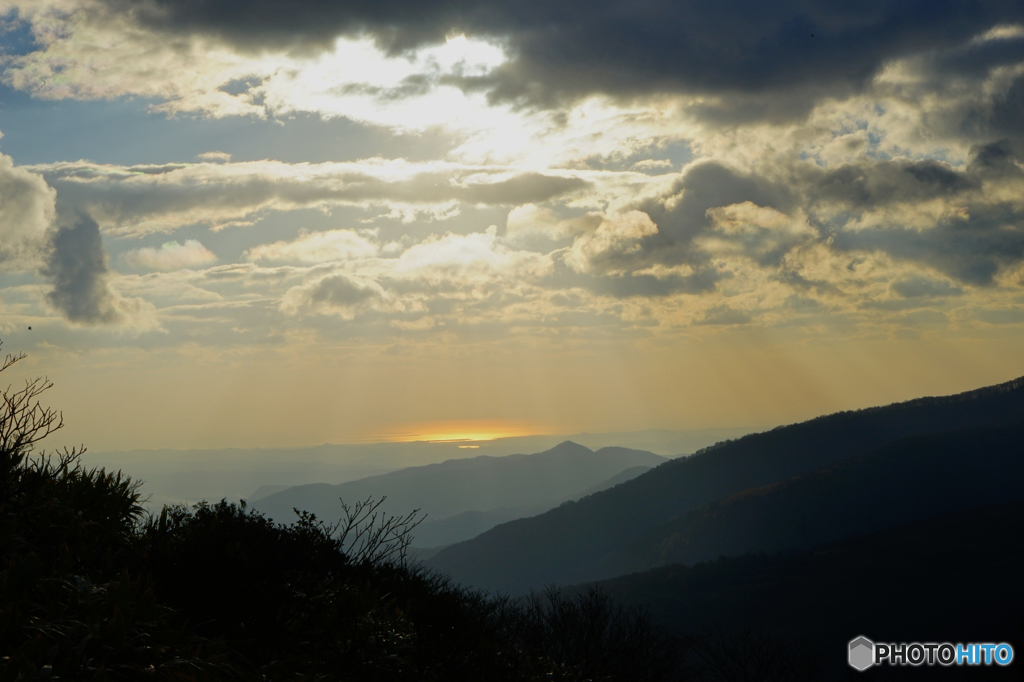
pixel 638 168
pixel 611 47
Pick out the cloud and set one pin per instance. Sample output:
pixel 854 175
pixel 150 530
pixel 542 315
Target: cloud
pixel 612 246
pixel 605 46
pixel 683 211
pixel 723 315
pixel 153 198
pixel 924 287
pixel 971 249
pixel 77 265
pixel 762 234
pixel 537 227
pixel 315 247
pixel 468 260
pixel 337 294
pixel 27 210
pixel 215 157
pixel 870 184
pixel 171 256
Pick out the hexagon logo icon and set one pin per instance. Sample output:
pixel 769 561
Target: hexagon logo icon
pixel 862 653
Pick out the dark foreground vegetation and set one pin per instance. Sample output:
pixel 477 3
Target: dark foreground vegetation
pixel 95 589
pixel 916 538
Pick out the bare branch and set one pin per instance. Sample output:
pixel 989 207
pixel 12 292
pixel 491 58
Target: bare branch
pixel 368 535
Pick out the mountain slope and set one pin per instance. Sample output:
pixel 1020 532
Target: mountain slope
pixel 903 481
pixel 479 483
pixel 469 524
pixel 566 544
pixel 947 578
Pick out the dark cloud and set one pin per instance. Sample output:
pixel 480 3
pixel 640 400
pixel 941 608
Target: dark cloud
pixel 723 315
pixel 340 291
pixel 798 281
pixel 576 47
pixel 78 268
pixel 970 246
pixel 681 214
pixel 1008 110
pixel 648 286
pixel 968 249
pixel 527 188
pixel 976 60
pixel 871 184
pixel 924 287
pixel 997 159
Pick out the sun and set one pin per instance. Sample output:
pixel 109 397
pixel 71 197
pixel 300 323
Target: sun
pixel 466 433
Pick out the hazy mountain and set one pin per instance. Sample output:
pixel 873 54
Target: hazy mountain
pixel 469 524
pixel 568 544
pixel 948 578
pixel 478 483
pixel 265 490
pixel 173 476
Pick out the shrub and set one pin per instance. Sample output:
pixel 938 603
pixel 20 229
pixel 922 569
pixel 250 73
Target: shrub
pixel 93 589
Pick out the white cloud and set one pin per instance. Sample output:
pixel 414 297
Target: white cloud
pixel 171 256
pixel 27 211
pixel 315 247
pixel 470 259
pixel 222 157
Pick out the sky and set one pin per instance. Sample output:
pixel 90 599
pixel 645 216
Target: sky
pixel 269 223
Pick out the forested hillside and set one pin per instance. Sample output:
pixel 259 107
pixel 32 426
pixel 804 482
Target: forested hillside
pixel 570 543
pixel 910 479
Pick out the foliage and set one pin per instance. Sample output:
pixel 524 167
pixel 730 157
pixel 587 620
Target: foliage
pixel 71 607
pixel 93 589
pixel 729 655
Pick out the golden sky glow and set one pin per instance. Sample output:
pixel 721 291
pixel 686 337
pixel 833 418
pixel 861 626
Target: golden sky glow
pixel 477 234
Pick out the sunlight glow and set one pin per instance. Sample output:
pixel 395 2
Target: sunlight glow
pixel 464 432
pixel 357 80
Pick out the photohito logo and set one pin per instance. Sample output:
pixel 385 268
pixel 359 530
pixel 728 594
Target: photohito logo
pixel 863 653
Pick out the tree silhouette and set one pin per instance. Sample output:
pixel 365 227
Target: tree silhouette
pixel 92 588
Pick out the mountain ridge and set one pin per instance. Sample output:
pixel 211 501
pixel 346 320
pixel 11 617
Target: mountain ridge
pixel 566 544
pixel 445 489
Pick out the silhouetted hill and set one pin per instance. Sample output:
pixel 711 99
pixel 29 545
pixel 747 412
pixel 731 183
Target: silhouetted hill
pixel 948 578
pixel 568 543
pixel 909 479
pixel 479 483
pixel 469 524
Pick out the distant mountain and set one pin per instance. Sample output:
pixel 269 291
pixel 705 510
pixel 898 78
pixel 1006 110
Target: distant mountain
pixel 456 486
pixel 569 544
pixel 188 476
pixel 265 490
pixel 469 524
pixel 947 578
